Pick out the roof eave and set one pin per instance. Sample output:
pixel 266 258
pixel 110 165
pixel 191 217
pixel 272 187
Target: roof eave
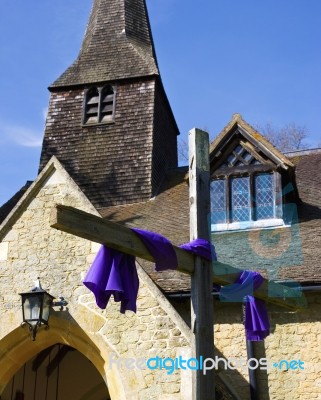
pixel 251 135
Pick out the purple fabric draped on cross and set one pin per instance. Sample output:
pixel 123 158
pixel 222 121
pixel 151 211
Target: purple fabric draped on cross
pixel 201 248
pixel 114 273
pixel 257 326
pixel 160 248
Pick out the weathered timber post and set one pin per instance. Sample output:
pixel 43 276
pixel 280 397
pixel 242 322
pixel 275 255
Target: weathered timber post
pixel 202 335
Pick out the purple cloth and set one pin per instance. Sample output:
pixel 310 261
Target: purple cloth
pixel 160 248
pixel 113 273
pixel 164 254
pixel 245 285
pixel 257 326
pixel 202 248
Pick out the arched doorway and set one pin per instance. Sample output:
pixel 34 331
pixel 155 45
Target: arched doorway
pixel 58 372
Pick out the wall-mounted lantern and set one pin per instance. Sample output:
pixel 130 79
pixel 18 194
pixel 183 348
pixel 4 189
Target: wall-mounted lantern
pixel 36 306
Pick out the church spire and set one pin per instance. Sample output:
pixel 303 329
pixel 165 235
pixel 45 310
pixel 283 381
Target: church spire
pixel 117 45
pixel 109 122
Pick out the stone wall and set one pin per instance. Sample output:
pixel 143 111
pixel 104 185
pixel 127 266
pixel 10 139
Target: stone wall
pixel 294 336
pixel 30 248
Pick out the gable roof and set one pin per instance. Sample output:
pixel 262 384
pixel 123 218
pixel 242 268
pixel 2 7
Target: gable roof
pixel 260 144
pixel 117 45
pixel 168 214
pixel 10 204
pixel 19 203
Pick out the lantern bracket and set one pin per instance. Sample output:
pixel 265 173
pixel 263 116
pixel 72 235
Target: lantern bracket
pixel 61 303
pixel 33 328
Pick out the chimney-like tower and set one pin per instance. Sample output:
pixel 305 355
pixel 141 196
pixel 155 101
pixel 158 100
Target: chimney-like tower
pixel 109 121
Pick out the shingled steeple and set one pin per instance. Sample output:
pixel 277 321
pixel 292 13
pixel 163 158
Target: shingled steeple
pixel 109 121
pixel 117 45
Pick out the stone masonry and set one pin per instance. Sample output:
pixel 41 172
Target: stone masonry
pixel 31 248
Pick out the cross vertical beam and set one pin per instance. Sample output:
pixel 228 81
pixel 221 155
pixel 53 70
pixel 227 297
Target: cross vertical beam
pixel 201 297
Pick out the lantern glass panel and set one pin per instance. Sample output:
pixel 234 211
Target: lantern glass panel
pixel 26 309
pixel 46 307
pixel 32 308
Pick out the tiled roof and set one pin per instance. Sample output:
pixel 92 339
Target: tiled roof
pixel 167 214
pixel 117 45
pixel 308 177
pixel 298 247
pixel 6 208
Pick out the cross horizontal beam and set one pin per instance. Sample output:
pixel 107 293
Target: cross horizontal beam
pixel 121 238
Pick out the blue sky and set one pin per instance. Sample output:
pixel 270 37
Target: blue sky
pixel 259 58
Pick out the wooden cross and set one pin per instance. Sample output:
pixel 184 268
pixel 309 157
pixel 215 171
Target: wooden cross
pixel 203 274
pixel 202 324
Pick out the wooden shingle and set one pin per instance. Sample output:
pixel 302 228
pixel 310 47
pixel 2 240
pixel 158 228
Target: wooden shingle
pixel 117 45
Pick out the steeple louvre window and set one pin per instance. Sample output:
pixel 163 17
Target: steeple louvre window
pixel 99 105
pixel 92 105
pixel 107 104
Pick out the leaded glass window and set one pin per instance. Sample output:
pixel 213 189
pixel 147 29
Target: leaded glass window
pixel 240 199
pixel 264 198
pixel 218 201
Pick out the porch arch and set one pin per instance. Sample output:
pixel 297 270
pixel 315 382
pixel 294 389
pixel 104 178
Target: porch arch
pixel 17 348
pixel 58 372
